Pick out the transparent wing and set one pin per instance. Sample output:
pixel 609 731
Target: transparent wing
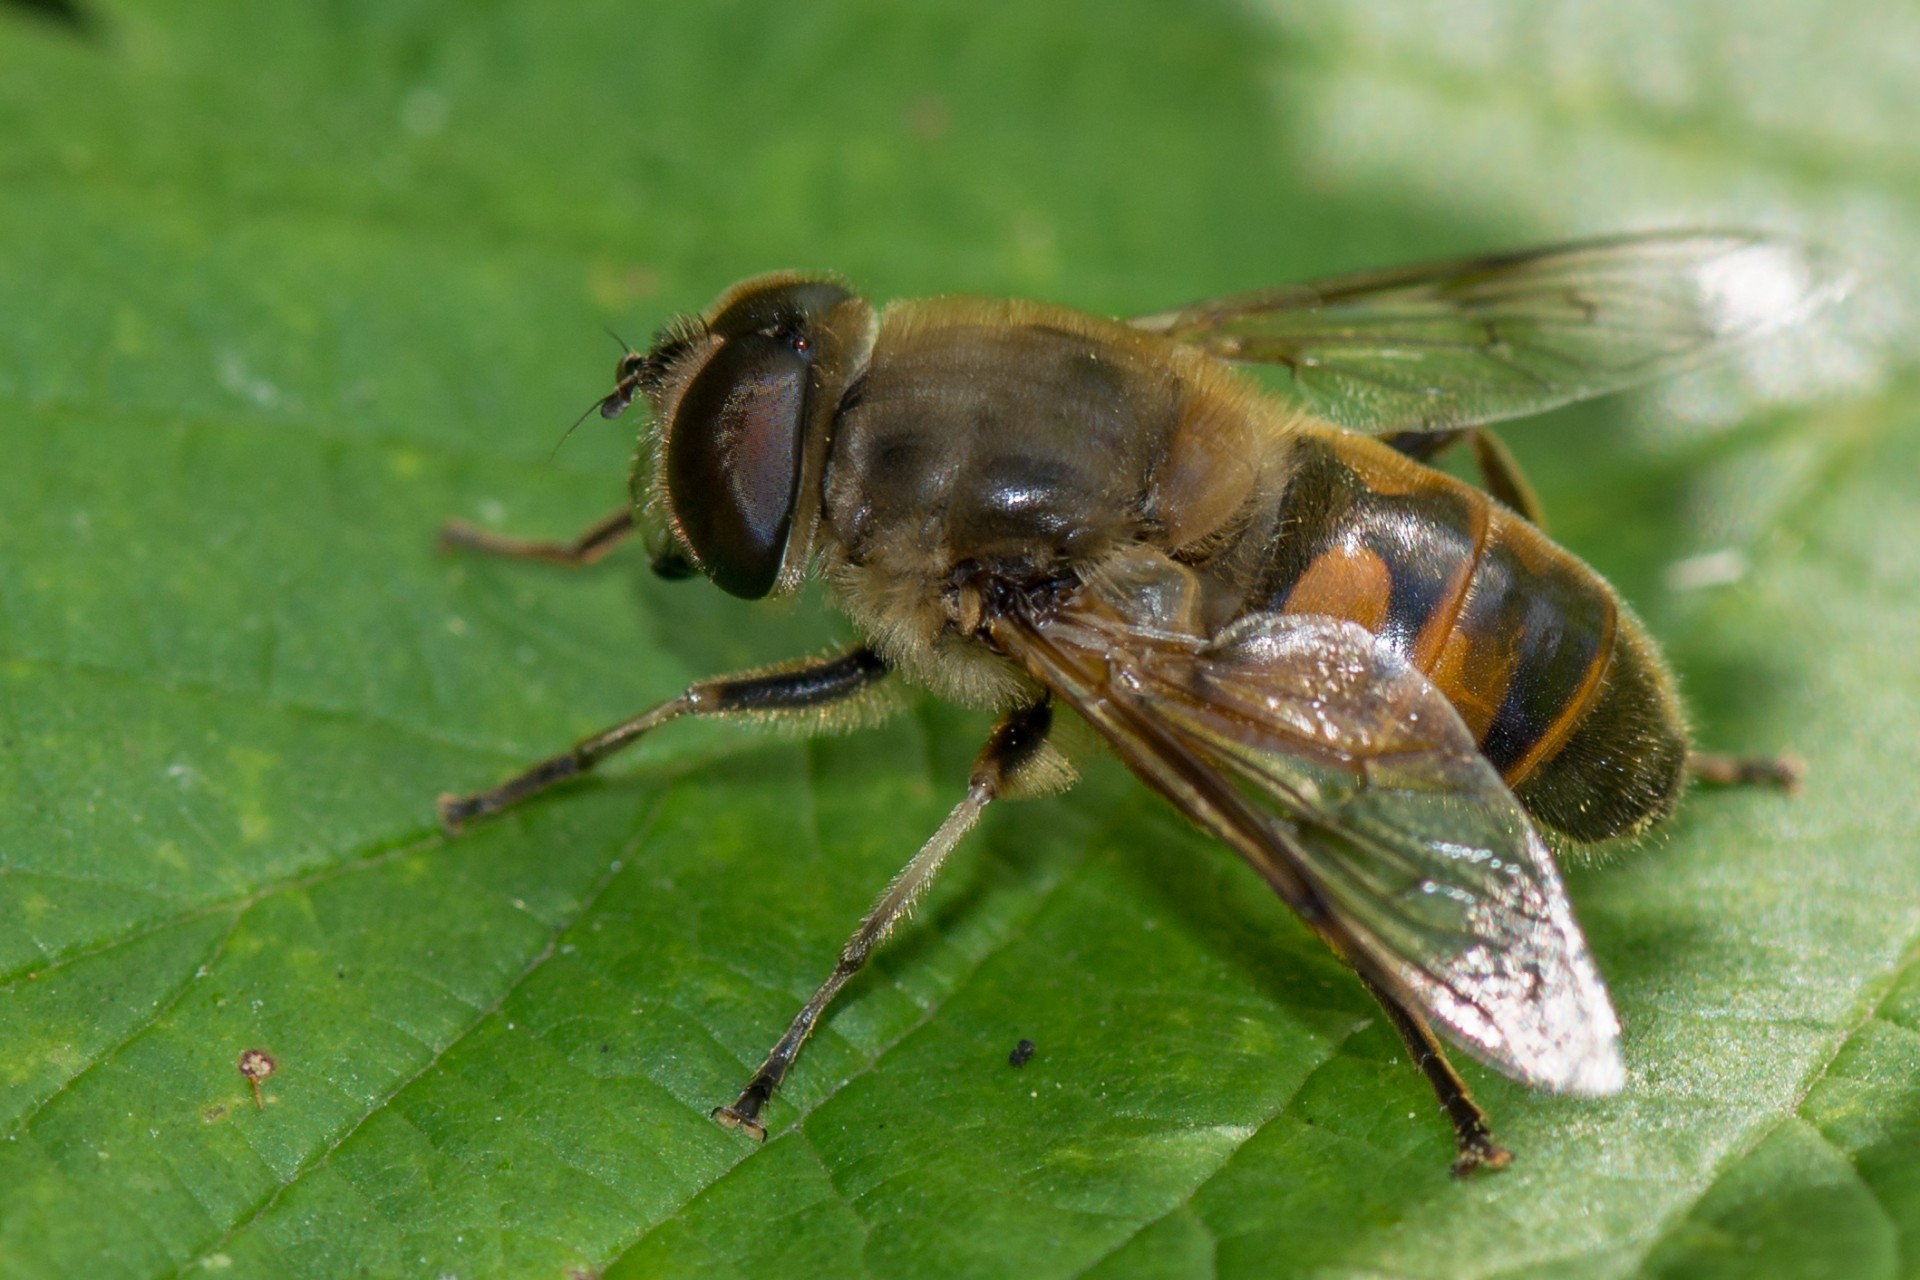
pixel 1476 340
pixel 1345 777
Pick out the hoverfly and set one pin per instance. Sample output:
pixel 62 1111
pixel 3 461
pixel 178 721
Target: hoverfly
pixel 1377 683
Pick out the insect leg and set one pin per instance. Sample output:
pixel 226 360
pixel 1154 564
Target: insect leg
pixel 1424 446
pixel 1015 742
pixel 1710 768
pixel 1470 1133
pixel 599 538
pixel 1500 473
pixel 804 687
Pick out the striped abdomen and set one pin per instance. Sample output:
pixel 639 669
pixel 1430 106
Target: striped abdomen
pixel 1559 685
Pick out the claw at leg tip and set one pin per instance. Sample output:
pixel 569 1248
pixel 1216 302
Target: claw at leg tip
pixel 732 1118
pixel 1491 1158
pixel 448 809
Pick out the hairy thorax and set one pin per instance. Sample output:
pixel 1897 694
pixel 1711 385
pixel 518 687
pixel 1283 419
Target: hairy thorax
pixel 1023 445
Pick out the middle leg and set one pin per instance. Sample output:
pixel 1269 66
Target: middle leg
pixel 1016 745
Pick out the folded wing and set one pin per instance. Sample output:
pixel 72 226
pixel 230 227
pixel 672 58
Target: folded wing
pixel 1475 340
pixel 1345 777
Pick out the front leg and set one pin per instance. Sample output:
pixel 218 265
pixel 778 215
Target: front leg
pixel 590 547
pixel 1016 750
pixel 595 541
pixel 815 687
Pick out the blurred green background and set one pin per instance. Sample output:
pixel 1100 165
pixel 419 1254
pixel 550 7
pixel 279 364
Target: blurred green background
pixel 282 286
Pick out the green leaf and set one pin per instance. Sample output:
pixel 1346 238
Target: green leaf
pixel 282 287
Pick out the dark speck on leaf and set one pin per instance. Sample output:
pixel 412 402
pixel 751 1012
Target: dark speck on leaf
pixel 1021 1053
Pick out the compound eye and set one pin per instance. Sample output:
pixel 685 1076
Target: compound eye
pixel 733 459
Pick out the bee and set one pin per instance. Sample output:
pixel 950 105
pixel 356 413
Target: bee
pixel 1380 685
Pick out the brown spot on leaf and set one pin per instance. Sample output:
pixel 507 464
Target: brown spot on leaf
pixel 256 1065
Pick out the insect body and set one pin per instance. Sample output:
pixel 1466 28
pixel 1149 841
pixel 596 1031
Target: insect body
pixel 1373 681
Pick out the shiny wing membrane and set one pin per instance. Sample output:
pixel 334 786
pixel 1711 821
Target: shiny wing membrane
pixel 1476 340
pixel 1347 779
